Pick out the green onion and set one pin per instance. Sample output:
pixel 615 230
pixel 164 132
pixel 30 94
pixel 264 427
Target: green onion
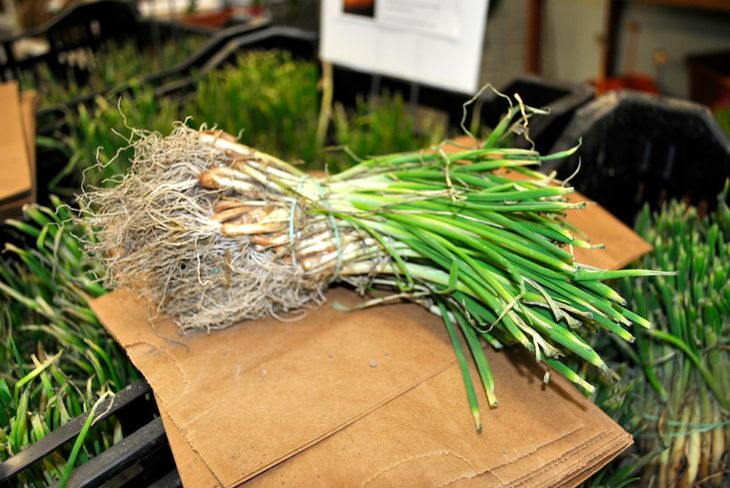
pixel 222 232
pixel 676 384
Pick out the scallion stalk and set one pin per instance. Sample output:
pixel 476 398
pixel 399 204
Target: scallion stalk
pixel 420 222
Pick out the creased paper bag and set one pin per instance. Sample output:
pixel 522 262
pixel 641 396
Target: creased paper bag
pixel 261 391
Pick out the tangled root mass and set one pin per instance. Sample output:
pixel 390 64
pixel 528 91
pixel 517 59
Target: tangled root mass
pixel 155 236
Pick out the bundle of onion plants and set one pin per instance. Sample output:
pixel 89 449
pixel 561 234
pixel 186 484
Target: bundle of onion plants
pixel 681 404
pixel 57 359
pixel 216 232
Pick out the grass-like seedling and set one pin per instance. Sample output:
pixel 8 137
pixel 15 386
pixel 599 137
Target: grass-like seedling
pixel 268 96
pixel 115 65
pixel 379 126
pixel 57 358
pixel 685 395
pixel 674 391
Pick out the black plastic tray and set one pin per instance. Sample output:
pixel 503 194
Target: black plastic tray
pixel 640 148
pixel 54 116
pixel 561 98
pixel 142 458
pixel 86 26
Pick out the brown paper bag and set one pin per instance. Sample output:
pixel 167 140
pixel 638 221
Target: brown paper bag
pixel 17 135
pixel 538 436
pixel 274 388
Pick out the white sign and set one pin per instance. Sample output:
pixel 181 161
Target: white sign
pixel 433 42
pixel 440 17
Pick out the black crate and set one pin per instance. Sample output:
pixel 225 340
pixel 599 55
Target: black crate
pixel 82 27
pixel 302 44
pixel 223 50
pixel 562 98
pixel 85 28
pixel 53 118
pixel 639 148
pixel 142 458
pixel 75 34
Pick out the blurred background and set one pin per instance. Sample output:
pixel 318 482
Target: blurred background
pixel 643 86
